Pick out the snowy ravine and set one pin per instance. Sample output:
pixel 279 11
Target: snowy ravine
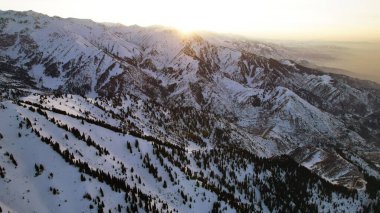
pixel 106 117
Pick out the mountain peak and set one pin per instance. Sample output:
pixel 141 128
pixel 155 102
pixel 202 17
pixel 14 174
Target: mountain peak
pixel 149 115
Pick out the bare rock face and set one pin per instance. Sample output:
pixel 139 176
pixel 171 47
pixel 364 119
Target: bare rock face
pixel 330 166
pixel 7 40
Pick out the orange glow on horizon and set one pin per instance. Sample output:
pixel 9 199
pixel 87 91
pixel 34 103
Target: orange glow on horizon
pixel 272 19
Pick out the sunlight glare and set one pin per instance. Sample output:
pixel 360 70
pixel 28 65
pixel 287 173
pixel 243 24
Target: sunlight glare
pixel 279 19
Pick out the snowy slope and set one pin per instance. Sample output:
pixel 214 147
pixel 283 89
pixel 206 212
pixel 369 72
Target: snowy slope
pixel 197 92
pixel 173 178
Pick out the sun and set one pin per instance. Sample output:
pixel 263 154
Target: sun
pixel 272 19
pixel 186 29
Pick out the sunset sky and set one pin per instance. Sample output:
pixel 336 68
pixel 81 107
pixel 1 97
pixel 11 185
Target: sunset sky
pixel 335 20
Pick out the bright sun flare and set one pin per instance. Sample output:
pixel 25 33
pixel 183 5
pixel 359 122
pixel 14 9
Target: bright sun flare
pixel 295 19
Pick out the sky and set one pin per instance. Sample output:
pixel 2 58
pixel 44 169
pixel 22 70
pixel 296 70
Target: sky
pixel 329 20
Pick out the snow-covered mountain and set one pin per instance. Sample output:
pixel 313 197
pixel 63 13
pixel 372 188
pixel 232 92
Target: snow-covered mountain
pixel 221 123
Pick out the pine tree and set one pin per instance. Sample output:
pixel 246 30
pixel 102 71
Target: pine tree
pixel 101 192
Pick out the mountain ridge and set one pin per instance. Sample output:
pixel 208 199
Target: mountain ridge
pixel 197 92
